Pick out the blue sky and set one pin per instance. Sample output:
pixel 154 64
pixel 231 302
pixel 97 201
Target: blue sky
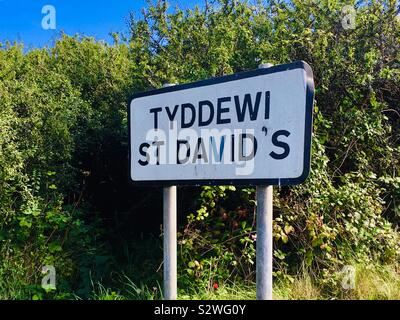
pixel 21 20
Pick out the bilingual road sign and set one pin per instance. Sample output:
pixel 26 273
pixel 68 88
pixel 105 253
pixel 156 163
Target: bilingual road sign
pixel 249 128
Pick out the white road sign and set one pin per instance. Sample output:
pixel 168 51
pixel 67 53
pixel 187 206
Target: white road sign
pixel 248 128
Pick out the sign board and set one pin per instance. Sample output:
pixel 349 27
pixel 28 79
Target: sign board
pixel 249 128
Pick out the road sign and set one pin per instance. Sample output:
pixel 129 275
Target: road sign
pixel 249 128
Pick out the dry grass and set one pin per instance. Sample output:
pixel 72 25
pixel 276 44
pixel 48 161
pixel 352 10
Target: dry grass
pixel 376 283
pixel 371 283
pixel 302 288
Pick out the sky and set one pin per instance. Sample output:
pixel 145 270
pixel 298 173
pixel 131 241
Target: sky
pixel 21 20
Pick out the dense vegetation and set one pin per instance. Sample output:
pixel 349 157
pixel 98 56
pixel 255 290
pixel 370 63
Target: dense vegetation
pixel 65 199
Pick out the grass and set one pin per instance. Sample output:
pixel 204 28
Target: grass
pixel 235 291
pixel 302 288
pixel 371 283
pixel 381 283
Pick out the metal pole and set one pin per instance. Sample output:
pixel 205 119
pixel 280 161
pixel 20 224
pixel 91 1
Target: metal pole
pixel 264 244
pixel 170 241
pixel 170 273
pixel 264 254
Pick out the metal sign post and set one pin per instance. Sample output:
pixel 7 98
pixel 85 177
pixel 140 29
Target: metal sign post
pixel 264 249
pixel 170 240
pixel 264 244
pixel 170 274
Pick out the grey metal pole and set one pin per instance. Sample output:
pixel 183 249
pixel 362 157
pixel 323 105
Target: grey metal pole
pixel 264 244
pixel 170 241
pixel 170 226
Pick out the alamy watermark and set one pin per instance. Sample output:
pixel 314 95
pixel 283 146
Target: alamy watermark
pixel 49 279
pixel 49 21
pixel 348 277
pixel 348 17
